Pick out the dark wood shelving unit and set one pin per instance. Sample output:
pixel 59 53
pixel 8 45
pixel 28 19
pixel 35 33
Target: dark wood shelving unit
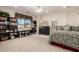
pixel 9 28
pixel 3 28
pixel 12 24
pixel 24 33
pixel 34 26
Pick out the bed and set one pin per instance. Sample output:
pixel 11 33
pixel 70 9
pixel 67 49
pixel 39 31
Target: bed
pixel 65 39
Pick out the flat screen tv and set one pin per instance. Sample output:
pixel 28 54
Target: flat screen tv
pixel 24 24
pixel 27 22
pixel 20 21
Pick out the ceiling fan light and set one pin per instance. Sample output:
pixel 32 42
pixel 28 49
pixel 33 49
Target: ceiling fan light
pixel 64 6
pixel 47 11
pixel 38 11
pixel 15 6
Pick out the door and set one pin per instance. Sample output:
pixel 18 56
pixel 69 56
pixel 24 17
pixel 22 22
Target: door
pixel 53 26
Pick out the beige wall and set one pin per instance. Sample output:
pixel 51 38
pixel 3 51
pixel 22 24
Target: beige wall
pixel 63 18
pixel 73 18
pixel 60 17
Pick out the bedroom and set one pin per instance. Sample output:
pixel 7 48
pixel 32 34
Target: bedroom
pixel 35 25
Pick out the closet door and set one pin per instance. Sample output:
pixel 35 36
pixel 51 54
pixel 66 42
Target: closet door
pixel 53 25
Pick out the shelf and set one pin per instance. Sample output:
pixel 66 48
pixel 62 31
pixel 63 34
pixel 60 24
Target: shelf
pixel 4 24
pixel 4 38
pixel 10 29
pixel 3 33
pixel 7 28
pixel 13 21
pixel 2 20
pixel 4 29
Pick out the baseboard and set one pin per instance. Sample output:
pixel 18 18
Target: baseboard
pixel 64 46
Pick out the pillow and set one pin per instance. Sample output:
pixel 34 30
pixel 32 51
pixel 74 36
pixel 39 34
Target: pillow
pixel 67 28
pixel 58 27
pixel 75 28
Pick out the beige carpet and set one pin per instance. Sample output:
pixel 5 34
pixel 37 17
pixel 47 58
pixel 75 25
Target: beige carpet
pixel 32 43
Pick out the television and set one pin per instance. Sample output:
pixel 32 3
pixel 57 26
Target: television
pixel 20 21
pixel 24 24
pixel 27 22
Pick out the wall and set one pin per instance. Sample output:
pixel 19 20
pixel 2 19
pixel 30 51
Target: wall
pixel 60 17
pixel 63 18
pixel 73 18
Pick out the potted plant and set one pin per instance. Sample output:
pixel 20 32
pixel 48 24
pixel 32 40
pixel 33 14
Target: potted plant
pixel 0 14
pixel 4 15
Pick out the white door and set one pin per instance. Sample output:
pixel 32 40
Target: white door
pixel 53 26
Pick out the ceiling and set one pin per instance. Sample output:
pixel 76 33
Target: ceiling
pixel 45 9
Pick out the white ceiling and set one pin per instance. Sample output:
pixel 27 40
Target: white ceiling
pixel 32 10
pixel 50 9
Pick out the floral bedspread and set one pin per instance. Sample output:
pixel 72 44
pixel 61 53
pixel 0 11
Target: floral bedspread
pixel 68 38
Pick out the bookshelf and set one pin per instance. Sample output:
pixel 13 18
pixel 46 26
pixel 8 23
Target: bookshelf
pixel 23 27
pixel 3 29
pixel 34 26
pixel 8 28
pixel 12 25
